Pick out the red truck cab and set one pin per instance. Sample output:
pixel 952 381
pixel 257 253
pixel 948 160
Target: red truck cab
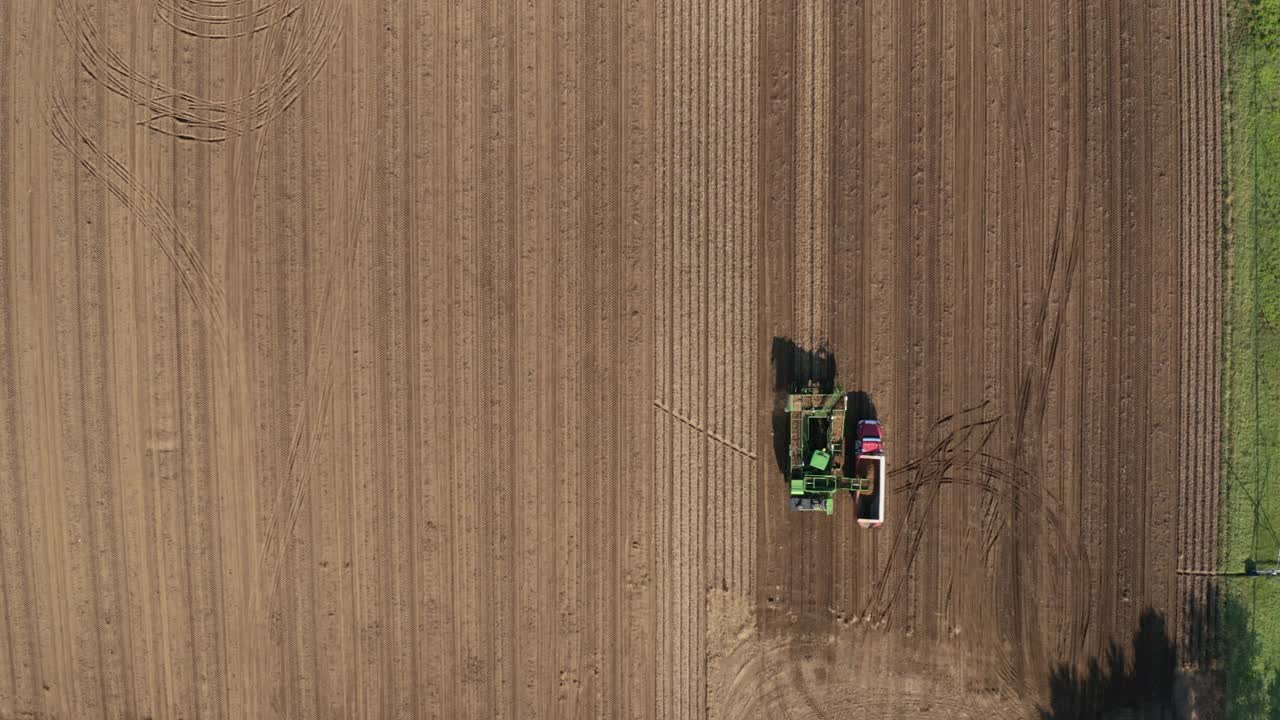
pixel 869 440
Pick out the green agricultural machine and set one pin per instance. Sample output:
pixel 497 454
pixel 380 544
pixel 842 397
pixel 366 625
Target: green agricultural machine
pixel 817 447
pixel 819 465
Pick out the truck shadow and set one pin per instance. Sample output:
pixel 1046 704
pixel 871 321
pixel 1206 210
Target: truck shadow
pixel 861 407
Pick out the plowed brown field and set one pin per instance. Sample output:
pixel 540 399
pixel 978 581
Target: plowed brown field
pixel 417 359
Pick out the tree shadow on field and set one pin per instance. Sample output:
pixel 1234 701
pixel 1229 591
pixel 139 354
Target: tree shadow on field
pixel 1144 682
pixel 793 368
pixel 1138 683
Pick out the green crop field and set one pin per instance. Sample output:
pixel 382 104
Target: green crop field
pixel 1251 512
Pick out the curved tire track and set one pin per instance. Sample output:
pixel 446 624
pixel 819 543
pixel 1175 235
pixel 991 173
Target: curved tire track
pixel 187 116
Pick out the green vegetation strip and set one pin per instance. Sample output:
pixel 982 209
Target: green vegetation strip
pixel 1251 511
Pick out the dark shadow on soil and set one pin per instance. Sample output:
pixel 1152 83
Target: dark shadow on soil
pixel 793 368
pixel 861 407
pixel 1142 682
pixel 781 438
pixel 1133 683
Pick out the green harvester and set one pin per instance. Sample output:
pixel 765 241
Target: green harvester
pixel 817 446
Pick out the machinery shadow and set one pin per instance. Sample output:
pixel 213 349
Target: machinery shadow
pixel 861 407
pixel 793 368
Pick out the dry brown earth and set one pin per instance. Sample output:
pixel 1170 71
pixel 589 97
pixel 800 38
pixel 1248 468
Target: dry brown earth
pixel 412 359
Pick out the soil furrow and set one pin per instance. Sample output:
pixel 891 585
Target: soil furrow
pixel 22 663
pixel 202 560
pixel 665 497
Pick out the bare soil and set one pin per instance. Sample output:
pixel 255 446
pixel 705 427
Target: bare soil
pixel 395 359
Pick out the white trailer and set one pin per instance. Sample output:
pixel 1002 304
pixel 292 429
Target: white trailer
pixel 867 482
pixel 868 487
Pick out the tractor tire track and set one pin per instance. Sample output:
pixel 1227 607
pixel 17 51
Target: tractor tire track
pixel 414 517
pixel 777 190
pixel 326 327
pixel 463 134
pixel 638 225
pixel 588 321
pixel 1009 556
pixel 568 227
pixel 1133 316
pixel 684 100
pixel 529 305
pixel 666 500
pixel 23 661
pixel 90 408
pixel 189 18
pixel 1038 280
pixel 201 542
pixel 928 234
pixel 196 280
pixel 429 215
pixel 903 283
pixel 1161 208
pixel 392 374
pixel 277 82
pixel 851 244
pixel 487 325
pixel 605 111
pixel 1114 557
pixel 663 250
pixel 188 116
pixel 310 554
pixel 949 383
pixel 270 244
pixel 502 131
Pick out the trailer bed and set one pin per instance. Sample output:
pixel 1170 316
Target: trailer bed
pixel 869 497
